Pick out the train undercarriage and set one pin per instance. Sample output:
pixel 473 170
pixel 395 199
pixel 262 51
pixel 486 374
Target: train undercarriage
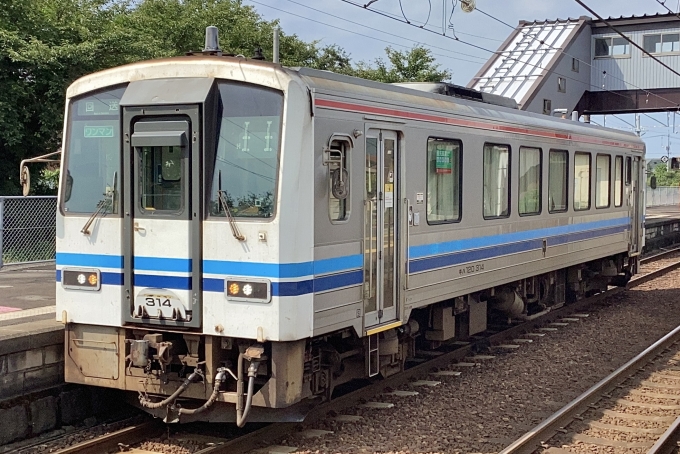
pixel 182 377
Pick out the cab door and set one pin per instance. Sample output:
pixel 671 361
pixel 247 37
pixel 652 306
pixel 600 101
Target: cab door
pixel 162 217
pixel 380 224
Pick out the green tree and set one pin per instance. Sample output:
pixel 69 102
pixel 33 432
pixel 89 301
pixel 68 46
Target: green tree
pixel 415 65
pixel 666 178
pixel 47 44
pixel 44 46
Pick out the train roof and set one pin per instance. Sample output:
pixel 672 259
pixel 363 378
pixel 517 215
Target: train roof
pixel 329 83
pixel 406 95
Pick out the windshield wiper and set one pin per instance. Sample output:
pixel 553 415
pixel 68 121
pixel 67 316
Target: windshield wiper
pixel 104 206
pixel 232 223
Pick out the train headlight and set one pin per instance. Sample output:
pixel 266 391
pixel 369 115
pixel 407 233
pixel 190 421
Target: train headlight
pixel 250 290
pixel 80 279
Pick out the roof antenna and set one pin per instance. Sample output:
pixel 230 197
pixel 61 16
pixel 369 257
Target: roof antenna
pixel 212 40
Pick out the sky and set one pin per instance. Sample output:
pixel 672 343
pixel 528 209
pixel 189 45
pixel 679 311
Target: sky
pixel 364 35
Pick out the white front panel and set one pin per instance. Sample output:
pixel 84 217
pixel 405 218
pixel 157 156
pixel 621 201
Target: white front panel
pixel 101 250
pixel 162 269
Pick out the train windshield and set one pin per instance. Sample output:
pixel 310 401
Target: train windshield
pixel 93 153
pixel 247 158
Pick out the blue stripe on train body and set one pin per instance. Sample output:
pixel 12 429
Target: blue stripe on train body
pixel 334 273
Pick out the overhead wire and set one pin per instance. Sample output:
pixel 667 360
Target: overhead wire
pixel 392 16
pixel 396 18
pixel 663 3
pixel 402 12
pixel 627 38
pixel 621 119
pixel 374 29
pixel 363 35
pixel 661 123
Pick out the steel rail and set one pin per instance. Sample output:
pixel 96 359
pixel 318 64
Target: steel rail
pixel 660 255
pixel 269 434
pixel 532 440
pixel 668 441
pixel 112 442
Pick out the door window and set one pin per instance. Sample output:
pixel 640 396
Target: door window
pixel 161 182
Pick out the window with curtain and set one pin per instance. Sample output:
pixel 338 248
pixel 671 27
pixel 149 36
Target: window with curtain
pixel 496 181
pixel 443 180
pixel 618 181
pixel 581 181
pixel 603 179
pixel 557 180
pixel 529 180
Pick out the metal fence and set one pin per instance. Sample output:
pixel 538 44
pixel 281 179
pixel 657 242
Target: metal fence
pixel 662 196
pixel 27 229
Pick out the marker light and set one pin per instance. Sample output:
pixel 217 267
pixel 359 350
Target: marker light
pixel 248 290
pixel 80 279
pixel 234 289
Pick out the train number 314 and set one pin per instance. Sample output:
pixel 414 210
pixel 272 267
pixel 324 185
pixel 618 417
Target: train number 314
pixel 153 302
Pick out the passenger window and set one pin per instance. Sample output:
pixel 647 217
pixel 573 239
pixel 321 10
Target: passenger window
pixel 530 165
pixel 338 181
pixel 618 181
pixel 602 177
pixel 581 181
pixel 557 180
pixel 496 181
pixel 629 171
pixel 443 180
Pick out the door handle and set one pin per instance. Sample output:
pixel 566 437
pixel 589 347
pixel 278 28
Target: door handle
pixel 138 228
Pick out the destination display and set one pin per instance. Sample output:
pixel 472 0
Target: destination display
pixel 99 106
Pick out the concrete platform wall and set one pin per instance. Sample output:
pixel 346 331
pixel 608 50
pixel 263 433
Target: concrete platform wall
pixel 33 396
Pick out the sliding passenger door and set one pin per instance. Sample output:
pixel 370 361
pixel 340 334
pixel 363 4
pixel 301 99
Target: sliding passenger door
pixel 380 226
pixel 635 206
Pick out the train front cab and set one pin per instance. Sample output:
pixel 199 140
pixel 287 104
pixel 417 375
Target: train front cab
pixel 169 247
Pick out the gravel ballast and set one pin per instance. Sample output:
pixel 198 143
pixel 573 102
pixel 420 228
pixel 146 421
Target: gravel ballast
pixel 490 405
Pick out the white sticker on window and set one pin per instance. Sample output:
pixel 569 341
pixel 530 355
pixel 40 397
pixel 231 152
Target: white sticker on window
pixel 389 199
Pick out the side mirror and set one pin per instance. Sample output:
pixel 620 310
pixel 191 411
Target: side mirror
pixel 652 182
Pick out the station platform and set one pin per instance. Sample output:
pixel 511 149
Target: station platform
pixel 26 294
pixel 662 214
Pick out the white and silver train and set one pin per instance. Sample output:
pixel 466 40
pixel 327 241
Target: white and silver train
pixel 236 238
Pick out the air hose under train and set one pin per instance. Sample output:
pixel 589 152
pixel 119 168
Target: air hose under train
pixel 241 409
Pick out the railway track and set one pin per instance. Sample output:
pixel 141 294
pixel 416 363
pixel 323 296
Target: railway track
pixel 449 353
pixel 631 409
